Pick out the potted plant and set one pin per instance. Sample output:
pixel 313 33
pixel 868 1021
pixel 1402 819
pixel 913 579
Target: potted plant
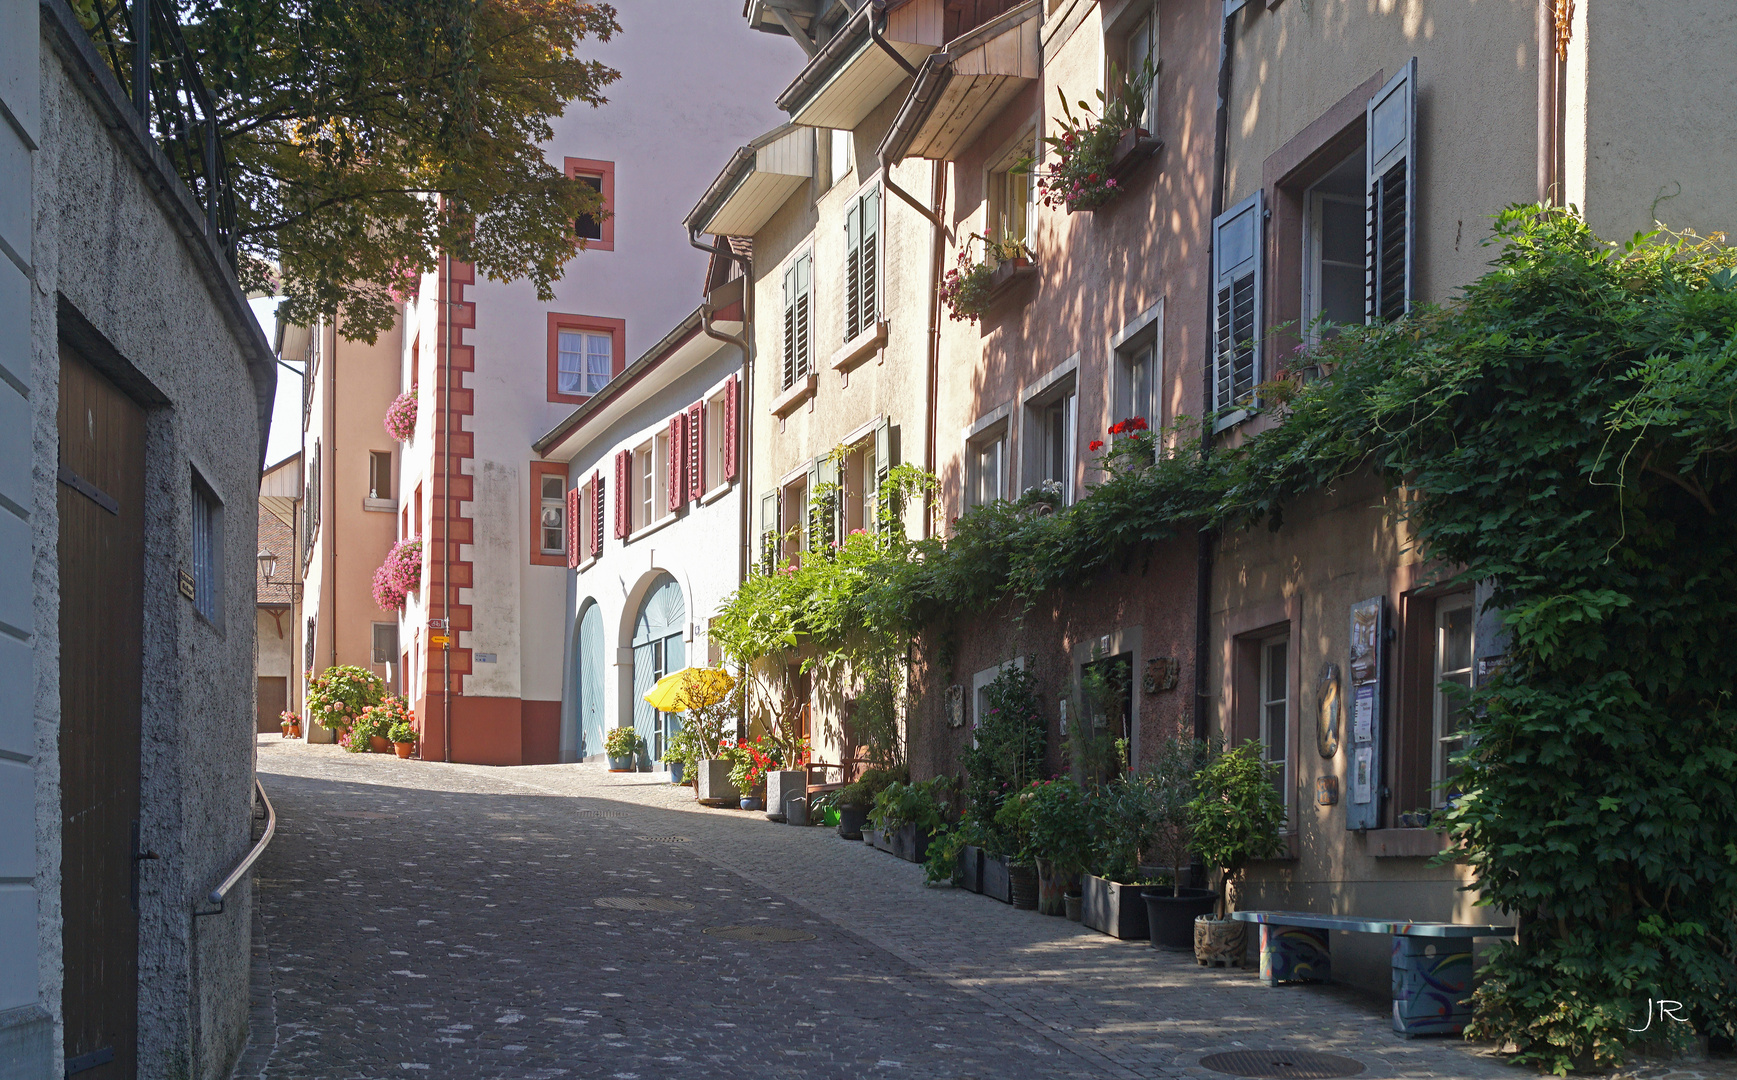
pixel 403 738
pixel 1092 149
pixel 680 753
pixel 1062 826
pixel 336 698
pixel 907 815
pixel 1013 822
pixel 401 416
pixel 972 286
pixel 619 746
pixel 1170 913
pixel 376 722
pixel 1126 811
pixel 291 724
pixel 1234 817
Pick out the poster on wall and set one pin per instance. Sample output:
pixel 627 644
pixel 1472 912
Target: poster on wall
pixel 1363 715
pixel 1362 790
pixel 1367 670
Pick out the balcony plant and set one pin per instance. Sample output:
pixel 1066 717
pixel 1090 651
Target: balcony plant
pixel 401 416
pixel 970 287
pixel 337 698
pixel 1086 153
pixel 619 746
pixel 1234 818
pixel 399 575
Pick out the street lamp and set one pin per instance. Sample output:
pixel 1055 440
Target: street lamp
pixel 267 564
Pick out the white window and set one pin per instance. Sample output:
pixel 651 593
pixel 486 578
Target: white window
pixel 1453 667
pixel 986 467
pixel 717 431
pixel 553 518
pixel 1236 272
pixel 834 156
pixel 1142 50
pixel 1333 251
pixel 794 516
pixel 1050 432
pixel 856 481
pixel 207 552
pixel 647 487
pixel 1008 204
pixel 380 474
pixel 798 316
pixel 1275 717
pixel 585 361
pixel 1137 369
pixel 862 225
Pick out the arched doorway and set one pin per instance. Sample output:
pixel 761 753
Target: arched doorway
pixel 657 650
pixel 588 682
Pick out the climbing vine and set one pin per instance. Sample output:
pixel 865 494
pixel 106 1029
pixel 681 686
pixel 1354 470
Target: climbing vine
pixel 1566 431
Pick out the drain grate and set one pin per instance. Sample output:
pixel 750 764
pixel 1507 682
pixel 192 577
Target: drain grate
pixel 663 839
pixel 780 934
pixel 1282 1064
pixel 642 903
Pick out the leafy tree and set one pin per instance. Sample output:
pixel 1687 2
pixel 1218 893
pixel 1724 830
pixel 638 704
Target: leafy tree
pixel 364 138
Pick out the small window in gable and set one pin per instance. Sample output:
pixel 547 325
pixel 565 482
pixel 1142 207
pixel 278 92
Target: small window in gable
pixel 597 231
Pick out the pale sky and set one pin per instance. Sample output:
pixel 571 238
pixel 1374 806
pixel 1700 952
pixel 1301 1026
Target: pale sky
pixel 286 416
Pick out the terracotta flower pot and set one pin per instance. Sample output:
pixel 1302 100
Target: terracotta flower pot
pixel 403 748
pixel 379 745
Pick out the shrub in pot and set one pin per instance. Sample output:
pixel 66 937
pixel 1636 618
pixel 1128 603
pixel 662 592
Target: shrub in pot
pixel 1008 751
pixel 1062 824
pixel 619 746
pixel 1170 913
pixel 1234 818
pixel 907 815
pixel 337 698
pixel 403 738
pixel 855 799
pixel 1126 814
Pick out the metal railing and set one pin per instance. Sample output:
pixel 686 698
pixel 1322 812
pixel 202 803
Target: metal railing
pixel 219 894
pixel 145 48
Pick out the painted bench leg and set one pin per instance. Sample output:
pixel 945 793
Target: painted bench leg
pixel 1432 985
pixel 1294 954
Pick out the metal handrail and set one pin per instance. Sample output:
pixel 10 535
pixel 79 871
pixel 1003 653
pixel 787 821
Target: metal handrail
pixel 218 894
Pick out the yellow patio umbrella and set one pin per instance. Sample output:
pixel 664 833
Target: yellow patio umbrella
pixel 689 688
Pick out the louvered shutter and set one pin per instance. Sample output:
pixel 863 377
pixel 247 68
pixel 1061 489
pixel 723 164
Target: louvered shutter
pixel 623 466
pixel 769 532
pixel 852 267
pixel 823 504
pixel 1236 272
pixel 597 513
pixel 790 277
pixel 573 527
pixel 868 261
pixel 804 302
pixel 676 484
pixel 732 434
pixel 883 465
pixel 1390 172
pixel 697 450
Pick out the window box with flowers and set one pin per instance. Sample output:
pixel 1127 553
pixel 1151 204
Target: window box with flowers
pixel 1093 152
pixel 401 416
pixel 972 287
pixel 399 575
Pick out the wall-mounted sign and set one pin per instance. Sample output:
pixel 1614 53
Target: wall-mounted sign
pixel 437 624
pixel 189 587
pixel 440 639
pixel 483 657
pixel 1327 712
pixel 1327 790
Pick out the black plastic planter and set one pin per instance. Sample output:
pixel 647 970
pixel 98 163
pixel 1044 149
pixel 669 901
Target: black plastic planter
pixel 1171 918
pixel 850 821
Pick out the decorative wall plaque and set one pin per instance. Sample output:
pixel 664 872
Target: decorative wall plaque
pixel 1327 790
pixel 1327 711
pixel 1162 673
pixel 955 706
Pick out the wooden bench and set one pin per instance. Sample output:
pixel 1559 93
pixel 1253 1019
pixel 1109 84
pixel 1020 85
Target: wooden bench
pixel 1432 962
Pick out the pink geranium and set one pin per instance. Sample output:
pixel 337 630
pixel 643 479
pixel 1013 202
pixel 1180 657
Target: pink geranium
pixel 401 416
pixel 400 574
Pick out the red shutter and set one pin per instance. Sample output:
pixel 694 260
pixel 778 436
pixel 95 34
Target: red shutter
pixel 697 450
pixel 623 466
pixel 573 528
pixel 596 513
pixel 678 451
pixel 732 440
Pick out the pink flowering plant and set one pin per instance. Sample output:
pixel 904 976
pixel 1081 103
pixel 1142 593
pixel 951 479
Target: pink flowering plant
pixel 399 574
pixel 1078 178
pixel 965 289
pixel 401 416
pixel 339 697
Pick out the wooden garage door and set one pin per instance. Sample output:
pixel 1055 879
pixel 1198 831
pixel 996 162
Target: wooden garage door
pixel 273 697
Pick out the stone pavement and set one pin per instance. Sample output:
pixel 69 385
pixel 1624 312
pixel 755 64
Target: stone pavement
pixel 424 920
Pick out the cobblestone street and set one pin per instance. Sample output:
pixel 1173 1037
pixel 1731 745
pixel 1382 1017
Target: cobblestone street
pixel 417 919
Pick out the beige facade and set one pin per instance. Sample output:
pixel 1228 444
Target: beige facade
pixel 278 597
pixel 350 508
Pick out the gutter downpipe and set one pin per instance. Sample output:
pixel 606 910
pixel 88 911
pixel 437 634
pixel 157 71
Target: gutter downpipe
pixel 446 523
pixel 876 7
pixel 1204 539
pixel 938 254
pixel 744 445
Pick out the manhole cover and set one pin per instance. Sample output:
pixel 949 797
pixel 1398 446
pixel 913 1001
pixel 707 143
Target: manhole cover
pixel 365 815
pixel 663 839
pixel 1282 1064
pixel 642 903
pixel 759 933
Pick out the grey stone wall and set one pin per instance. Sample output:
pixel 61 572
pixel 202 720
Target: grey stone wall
pixel 121 263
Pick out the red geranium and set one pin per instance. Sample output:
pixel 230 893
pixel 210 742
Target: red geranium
pixel 1096 445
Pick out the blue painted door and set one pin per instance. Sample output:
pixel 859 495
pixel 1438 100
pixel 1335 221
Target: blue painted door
pixel 589 682
pixel 657 651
